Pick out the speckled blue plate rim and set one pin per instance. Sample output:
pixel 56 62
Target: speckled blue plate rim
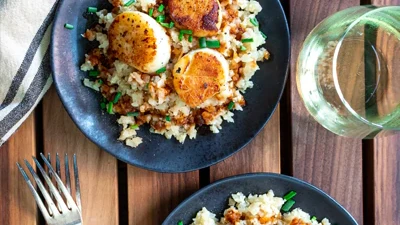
pixel 259 176
pixel 92 139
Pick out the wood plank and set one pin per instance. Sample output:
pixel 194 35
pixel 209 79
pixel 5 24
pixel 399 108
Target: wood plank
pixel 17 205
pixel 261 155
pixel 152 196
pixel 387 169
pixel 320 157
pixel 97 169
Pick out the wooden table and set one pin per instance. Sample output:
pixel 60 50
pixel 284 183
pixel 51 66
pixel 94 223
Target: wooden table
pixel 361 175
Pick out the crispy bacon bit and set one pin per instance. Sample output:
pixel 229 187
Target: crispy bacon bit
pixel 232 217
pixel 297 221
pixel 90 35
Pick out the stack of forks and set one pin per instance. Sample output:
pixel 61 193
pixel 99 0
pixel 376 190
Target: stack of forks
pixel 66 211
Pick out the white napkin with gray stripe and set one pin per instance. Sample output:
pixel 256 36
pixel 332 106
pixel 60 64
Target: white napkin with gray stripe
pixel 25 74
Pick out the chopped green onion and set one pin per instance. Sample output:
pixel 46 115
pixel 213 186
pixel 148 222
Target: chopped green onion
pixel 151 11
pixel 133 114
pixel 91 9
pixel 288 205
pixel 161 8
pixel 130 2
pixel 168 118
pixel 171 24
pixel 160 18
pixel 134 127
pixel 162 70
pixel 231 105
pixel 94 73
pixel 100 81
pixel 247 40
pixel 117 97
pixel 103 105
pixel 213 44
pixel 69 26
pixel 180 36
pixel 190 39
pixel 242 48
pixel 167 25
pixel 180 222
pixel 202 42
pixel 110 108
pixel 263 35
pixel 254 22
pixel 313 218
pixel 186 31
pixel 290 195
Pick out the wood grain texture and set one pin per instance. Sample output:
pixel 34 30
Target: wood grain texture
pixel 261 155
pixel 17 205
pixel 387 170
pixel 330 162
pixel 97 169
pixel 152 196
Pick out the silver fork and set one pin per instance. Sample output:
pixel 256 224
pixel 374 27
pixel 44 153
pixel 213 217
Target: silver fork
pixel 65 213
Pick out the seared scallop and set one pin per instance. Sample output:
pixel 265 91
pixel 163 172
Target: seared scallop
pixel 204 18
pixel 199 75
pixel 139 41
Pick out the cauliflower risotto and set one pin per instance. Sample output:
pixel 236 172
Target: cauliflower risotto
pixel 262 209
pixel 175 65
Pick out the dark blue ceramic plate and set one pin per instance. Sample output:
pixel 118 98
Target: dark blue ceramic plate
pixel 215 197
pixel 157 153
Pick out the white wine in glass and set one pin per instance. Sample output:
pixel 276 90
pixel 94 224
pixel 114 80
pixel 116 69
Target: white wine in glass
pixel 348 72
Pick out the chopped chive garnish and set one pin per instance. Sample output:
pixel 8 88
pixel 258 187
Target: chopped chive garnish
pixel 134 127
pixel 103 105
pixel 288 205
pixel 313 218
pixel 133 114
pixel 130 2
pixel 69 26
pixel 100 81
pixel 213 44
pixel 290 195
pixel 91 9
pixel 247 40
pixel 162 70
pixel 110 108
pixel 160 18
pixel 180 36
pixel 168 118
pixel 165 25
pixel 94 73
pixel 186 31
pixel 151 11
pixel 171 24
pixel 254 22
pixel 180 222
pixel 263 35
pixel 117 97
pixel 242 48
pixel 231 105
pixel 190 39
pixel 161 8
pixel 202 42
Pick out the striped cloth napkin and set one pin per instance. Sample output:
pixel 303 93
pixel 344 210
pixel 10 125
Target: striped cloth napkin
pixel 25 74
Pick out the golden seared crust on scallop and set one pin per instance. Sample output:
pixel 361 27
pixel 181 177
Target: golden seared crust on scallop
pixel 139 41
pixel 199 75
pixel 204 18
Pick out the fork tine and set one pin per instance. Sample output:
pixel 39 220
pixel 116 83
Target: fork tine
pixel 53 210
pixel 77 184
pixel 53 189
pixel 34 193
pixel 60 184
pixel 58 165
pixel 67 176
